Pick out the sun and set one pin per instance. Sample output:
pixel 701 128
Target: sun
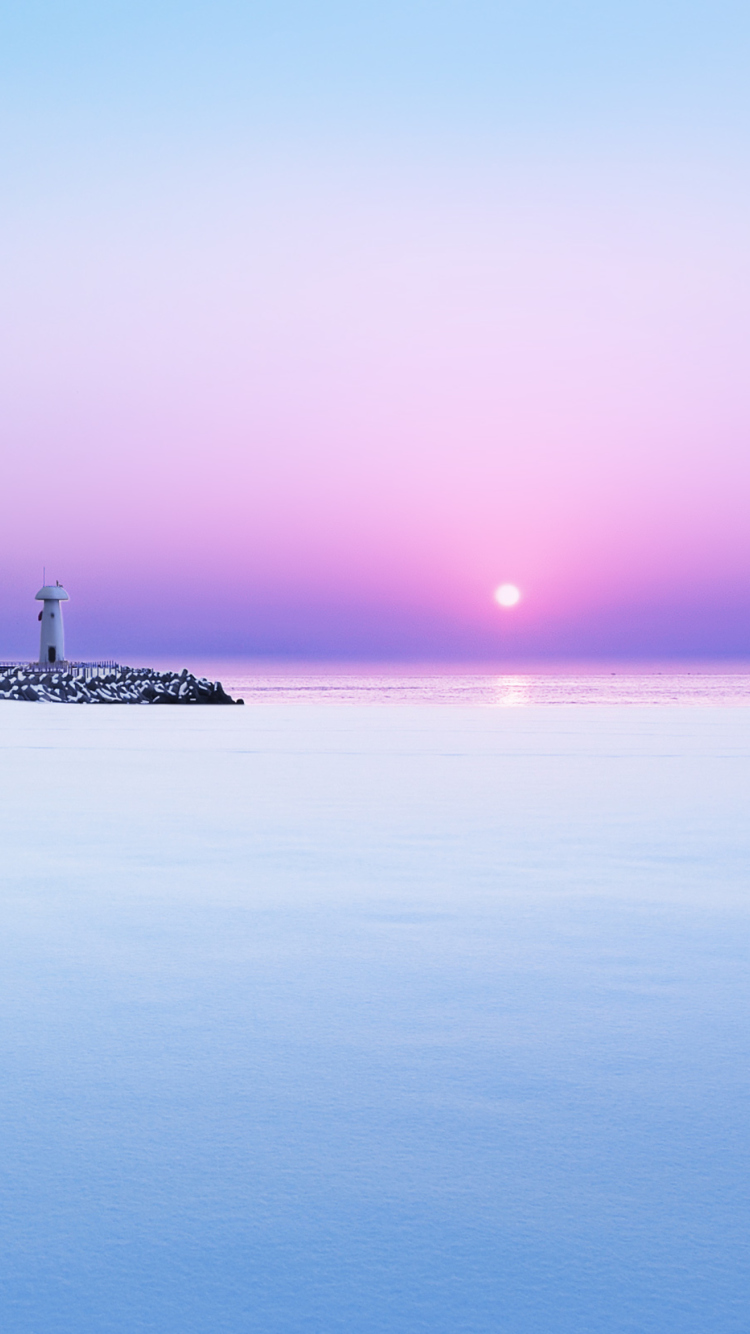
pixel 507 595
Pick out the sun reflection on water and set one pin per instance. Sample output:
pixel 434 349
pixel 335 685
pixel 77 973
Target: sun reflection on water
pixel 511 692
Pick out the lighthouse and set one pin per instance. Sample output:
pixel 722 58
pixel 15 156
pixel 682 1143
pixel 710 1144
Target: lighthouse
pixel 52 646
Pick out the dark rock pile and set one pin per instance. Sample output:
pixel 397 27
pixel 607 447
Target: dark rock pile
pixel 123 685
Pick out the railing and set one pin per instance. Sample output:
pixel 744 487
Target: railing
pixel 84 669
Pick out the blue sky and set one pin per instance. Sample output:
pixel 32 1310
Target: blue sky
pixel 453 294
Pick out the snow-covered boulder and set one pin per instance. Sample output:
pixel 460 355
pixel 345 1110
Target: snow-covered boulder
pixel 120 685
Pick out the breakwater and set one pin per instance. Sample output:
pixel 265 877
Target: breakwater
pixel 112 684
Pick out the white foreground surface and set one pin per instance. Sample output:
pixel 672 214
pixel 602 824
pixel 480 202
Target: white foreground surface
pixel 335 1018
pixel 534 797
pixel 555 800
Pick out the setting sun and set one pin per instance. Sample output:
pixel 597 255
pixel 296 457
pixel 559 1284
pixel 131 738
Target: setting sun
pixel 507 595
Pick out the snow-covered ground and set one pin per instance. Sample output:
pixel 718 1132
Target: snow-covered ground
pixel 333 1019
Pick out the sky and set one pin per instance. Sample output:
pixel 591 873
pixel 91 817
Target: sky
pixel 320 321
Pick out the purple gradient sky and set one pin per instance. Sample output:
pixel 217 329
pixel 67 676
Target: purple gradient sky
pixel 316 330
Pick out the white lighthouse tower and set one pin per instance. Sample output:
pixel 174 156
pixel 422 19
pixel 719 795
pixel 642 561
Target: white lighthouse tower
pixel 52 646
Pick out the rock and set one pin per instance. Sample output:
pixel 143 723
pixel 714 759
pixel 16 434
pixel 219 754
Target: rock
pixel 125 685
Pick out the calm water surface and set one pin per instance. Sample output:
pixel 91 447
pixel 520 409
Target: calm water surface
pixel 326 1018
pixel 258 682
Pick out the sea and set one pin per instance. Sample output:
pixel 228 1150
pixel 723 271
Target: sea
pixel 485 686
pixel 397 1000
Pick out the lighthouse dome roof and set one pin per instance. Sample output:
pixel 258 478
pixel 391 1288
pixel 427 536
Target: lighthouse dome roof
pixel 52 593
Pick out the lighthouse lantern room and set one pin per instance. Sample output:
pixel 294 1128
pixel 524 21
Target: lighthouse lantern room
pixel 52 645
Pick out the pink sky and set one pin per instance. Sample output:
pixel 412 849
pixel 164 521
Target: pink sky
pixel 323 399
